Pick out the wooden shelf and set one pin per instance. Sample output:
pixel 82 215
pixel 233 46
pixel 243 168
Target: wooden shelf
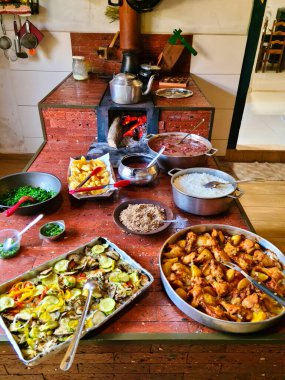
pixel 16 8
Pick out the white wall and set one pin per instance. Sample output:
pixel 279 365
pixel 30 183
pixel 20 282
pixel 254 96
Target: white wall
pixel 220 32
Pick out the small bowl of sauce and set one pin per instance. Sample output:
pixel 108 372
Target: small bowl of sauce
pixel 133 167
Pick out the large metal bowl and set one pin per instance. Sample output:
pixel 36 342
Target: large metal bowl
pixel 167 162
pixel 199 316
pixel 133 168
pixel 43 180
pixel 203 206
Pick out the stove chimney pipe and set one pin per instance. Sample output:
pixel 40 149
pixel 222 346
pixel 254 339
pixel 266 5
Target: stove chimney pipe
pixel 129 28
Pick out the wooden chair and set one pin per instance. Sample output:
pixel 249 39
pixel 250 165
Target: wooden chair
pixel 262 47
pixel 276 46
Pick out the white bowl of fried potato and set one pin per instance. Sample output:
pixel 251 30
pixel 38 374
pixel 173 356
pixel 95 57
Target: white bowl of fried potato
pixel 80 168
pixel 209 292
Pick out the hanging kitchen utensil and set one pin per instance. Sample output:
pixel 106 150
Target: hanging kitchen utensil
pixel 33 29
pixel 5 41
pixel 29 40
pixel 19 52
pixel 143 5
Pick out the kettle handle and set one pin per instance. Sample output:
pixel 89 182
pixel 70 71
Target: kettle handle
pixel 118 4
pixel 150 81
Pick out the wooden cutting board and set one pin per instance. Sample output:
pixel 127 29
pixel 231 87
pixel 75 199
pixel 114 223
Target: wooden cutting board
pixel 170 56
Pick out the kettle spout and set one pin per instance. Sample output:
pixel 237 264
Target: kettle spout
pixel 149 85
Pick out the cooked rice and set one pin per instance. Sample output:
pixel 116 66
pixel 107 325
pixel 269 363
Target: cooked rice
pixel 193 184
pixel 142 217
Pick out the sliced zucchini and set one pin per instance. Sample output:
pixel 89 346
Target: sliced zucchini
pixel 97 249
pixel 106 262
pixel 107 305
pixel 119 277
pixel 34 332
pixel 50 300
pixel 75 292
pixel 39 290
pixel 94 319
pixel 51 325
pixel 61 266
pixel 6 303
pixel 69 281
pixel 98 317
pixel 52 278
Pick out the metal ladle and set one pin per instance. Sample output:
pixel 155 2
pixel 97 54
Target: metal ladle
pixel 67 360
pixel 5 41
pixel 153 161
pixel 192 130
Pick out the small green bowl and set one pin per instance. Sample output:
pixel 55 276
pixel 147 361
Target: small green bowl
pixel 52 230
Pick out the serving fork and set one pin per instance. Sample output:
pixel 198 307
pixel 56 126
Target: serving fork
pixel 259 285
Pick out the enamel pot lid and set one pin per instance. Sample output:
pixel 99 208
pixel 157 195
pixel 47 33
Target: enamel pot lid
pixel 143 5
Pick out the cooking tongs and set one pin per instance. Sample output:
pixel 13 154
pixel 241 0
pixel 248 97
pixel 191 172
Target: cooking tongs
pixel 259 285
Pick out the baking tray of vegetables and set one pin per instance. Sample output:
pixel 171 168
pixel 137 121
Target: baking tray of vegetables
pixel 40 310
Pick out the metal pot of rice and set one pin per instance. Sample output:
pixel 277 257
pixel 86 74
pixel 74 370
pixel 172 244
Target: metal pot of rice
pixel 193 151
pixel 190 194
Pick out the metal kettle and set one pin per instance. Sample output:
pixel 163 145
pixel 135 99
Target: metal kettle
pixel 127 89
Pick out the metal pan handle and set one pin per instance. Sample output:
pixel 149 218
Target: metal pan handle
pixel 237 194
pixel 174 171
pixel 211 152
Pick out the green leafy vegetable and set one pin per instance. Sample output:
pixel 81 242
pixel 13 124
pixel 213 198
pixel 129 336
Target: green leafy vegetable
pixel 52 229
pixel 9 253
pixel 13 196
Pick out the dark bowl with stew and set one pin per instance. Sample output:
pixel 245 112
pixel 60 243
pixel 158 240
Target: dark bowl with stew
pixel 133 167
pixel 42 180
pixel 193 151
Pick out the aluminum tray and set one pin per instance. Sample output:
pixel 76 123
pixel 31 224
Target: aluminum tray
pixel 215 323
pixel 84 196
pixel 34 272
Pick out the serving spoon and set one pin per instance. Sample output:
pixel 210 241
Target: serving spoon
pixel 214 184
pixel 8 242
pixel 68 358
pixel 153 161
pixel 192 130
pixel 257 284
pixel 23 199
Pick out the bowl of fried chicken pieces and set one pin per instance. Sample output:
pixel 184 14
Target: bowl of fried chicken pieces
pixel 225 277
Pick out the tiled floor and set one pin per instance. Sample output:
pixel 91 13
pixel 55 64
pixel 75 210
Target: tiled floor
pixel 263 122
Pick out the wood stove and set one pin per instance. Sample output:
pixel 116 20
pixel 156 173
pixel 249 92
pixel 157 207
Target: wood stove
pixel 107 111
pixel 136 121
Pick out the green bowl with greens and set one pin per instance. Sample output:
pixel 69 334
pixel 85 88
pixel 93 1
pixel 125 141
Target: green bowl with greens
pixel 44 187
pixel 52 230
